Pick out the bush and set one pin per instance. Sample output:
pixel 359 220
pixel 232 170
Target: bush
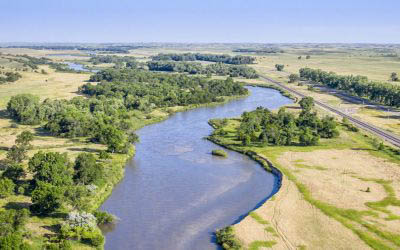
pixel 104 155
pixel 103 217
pixel 95 239
pixel 226 238
pixel 7 187
pixel 219 152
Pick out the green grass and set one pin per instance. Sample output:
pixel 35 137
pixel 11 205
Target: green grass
pixel 300 165
pixel 219 152
pixel 258 244
pixel 258 218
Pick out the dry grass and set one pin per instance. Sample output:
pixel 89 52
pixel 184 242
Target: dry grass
pixel 54 85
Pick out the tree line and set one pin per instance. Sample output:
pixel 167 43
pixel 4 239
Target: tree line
pixel 106 117
pixel 383 93
pixel 9 77
pixel 284 128
pixel 120 61
pixel 204 57
pixel 197 68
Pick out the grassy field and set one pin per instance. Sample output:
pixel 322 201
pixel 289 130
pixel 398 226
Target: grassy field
pixel 343 190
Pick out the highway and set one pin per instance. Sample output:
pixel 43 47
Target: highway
pixel 389 137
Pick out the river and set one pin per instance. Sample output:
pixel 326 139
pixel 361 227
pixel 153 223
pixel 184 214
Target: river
pixel 175 194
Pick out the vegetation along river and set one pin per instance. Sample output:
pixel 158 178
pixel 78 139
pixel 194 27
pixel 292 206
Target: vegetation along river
pixel 175 194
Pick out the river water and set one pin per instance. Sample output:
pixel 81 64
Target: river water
pixel 175 194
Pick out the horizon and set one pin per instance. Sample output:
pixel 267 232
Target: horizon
pixel 236 21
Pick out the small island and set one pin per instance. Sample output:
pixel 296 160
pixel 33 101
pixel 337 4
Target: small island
pixel 219 152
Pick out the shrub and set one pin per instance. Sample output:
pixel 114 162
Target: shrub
pixel 7 187
pixel 226 238
pixel 104 155
pixel 94 238
pixel 103 217
pixel 219 152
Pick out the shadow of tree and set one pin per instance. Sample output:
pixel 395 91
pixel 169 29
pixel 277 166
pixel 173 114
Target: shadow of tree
pixel 88 150
pixel 17 205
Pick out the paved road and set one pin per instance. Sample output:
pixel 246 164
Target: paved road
pixel 389 137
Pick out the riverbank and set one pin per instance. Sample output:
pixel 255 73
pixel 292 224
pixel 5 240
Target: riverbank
pixel 343 190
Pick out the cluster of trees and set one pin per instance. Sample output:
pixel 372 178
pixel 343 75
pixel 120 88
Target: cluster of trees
pixel 279 67
pixel 196 68
pixel 204 57
pixel 260 50
pixel 119 61
pixel 106 117
pixel 9 77
pixel 294 78
pixel 56 183
pixel 32 62
pixel 383 93
pixel 12 224
pixel 143 89
pixel 103 120
pixel 284 128
pixel 394 77
pixel 108 49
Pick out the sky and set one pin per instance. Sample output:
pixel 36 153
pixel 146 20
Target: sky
pixel 200 21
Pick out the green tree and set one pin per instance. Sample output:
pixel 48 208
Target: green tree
pixel 77 197
pixel 14 172
pixel 308 57
pixel 87 170
pixel 46 198
pixel 308 137
pixel 51 167
pixel 25 108
pixel 307 103
pixel 293 78
pixel 24 139
pixel 7 187
pixel 279 67
pixel 394 77
pixel 16 154
pixel 115 139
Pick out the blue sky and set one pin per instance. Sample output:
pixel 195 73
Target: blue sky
pixel 262 21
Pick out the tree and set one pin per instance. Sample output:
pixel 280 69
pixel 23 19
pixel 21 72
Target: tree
pixel 394 77
pixel 14 172
pixel 279 67
pixel 24 139
pixel 46 198
pixel 307 103
pixel 51 167
pixel 7 187
pixel 12 220
pixel 299 57
pixel 17 153
pixel 25 108
pixel 308 57
pixel 77 197
pixel 327 127
pixel 307 137
pixel 293 78
pixel 115 139
pixel 13 241
pixel 87 170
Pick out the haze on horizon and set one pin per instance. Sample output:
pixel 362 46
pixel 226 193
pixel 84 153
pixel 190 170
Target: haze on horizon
pixel 95 21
